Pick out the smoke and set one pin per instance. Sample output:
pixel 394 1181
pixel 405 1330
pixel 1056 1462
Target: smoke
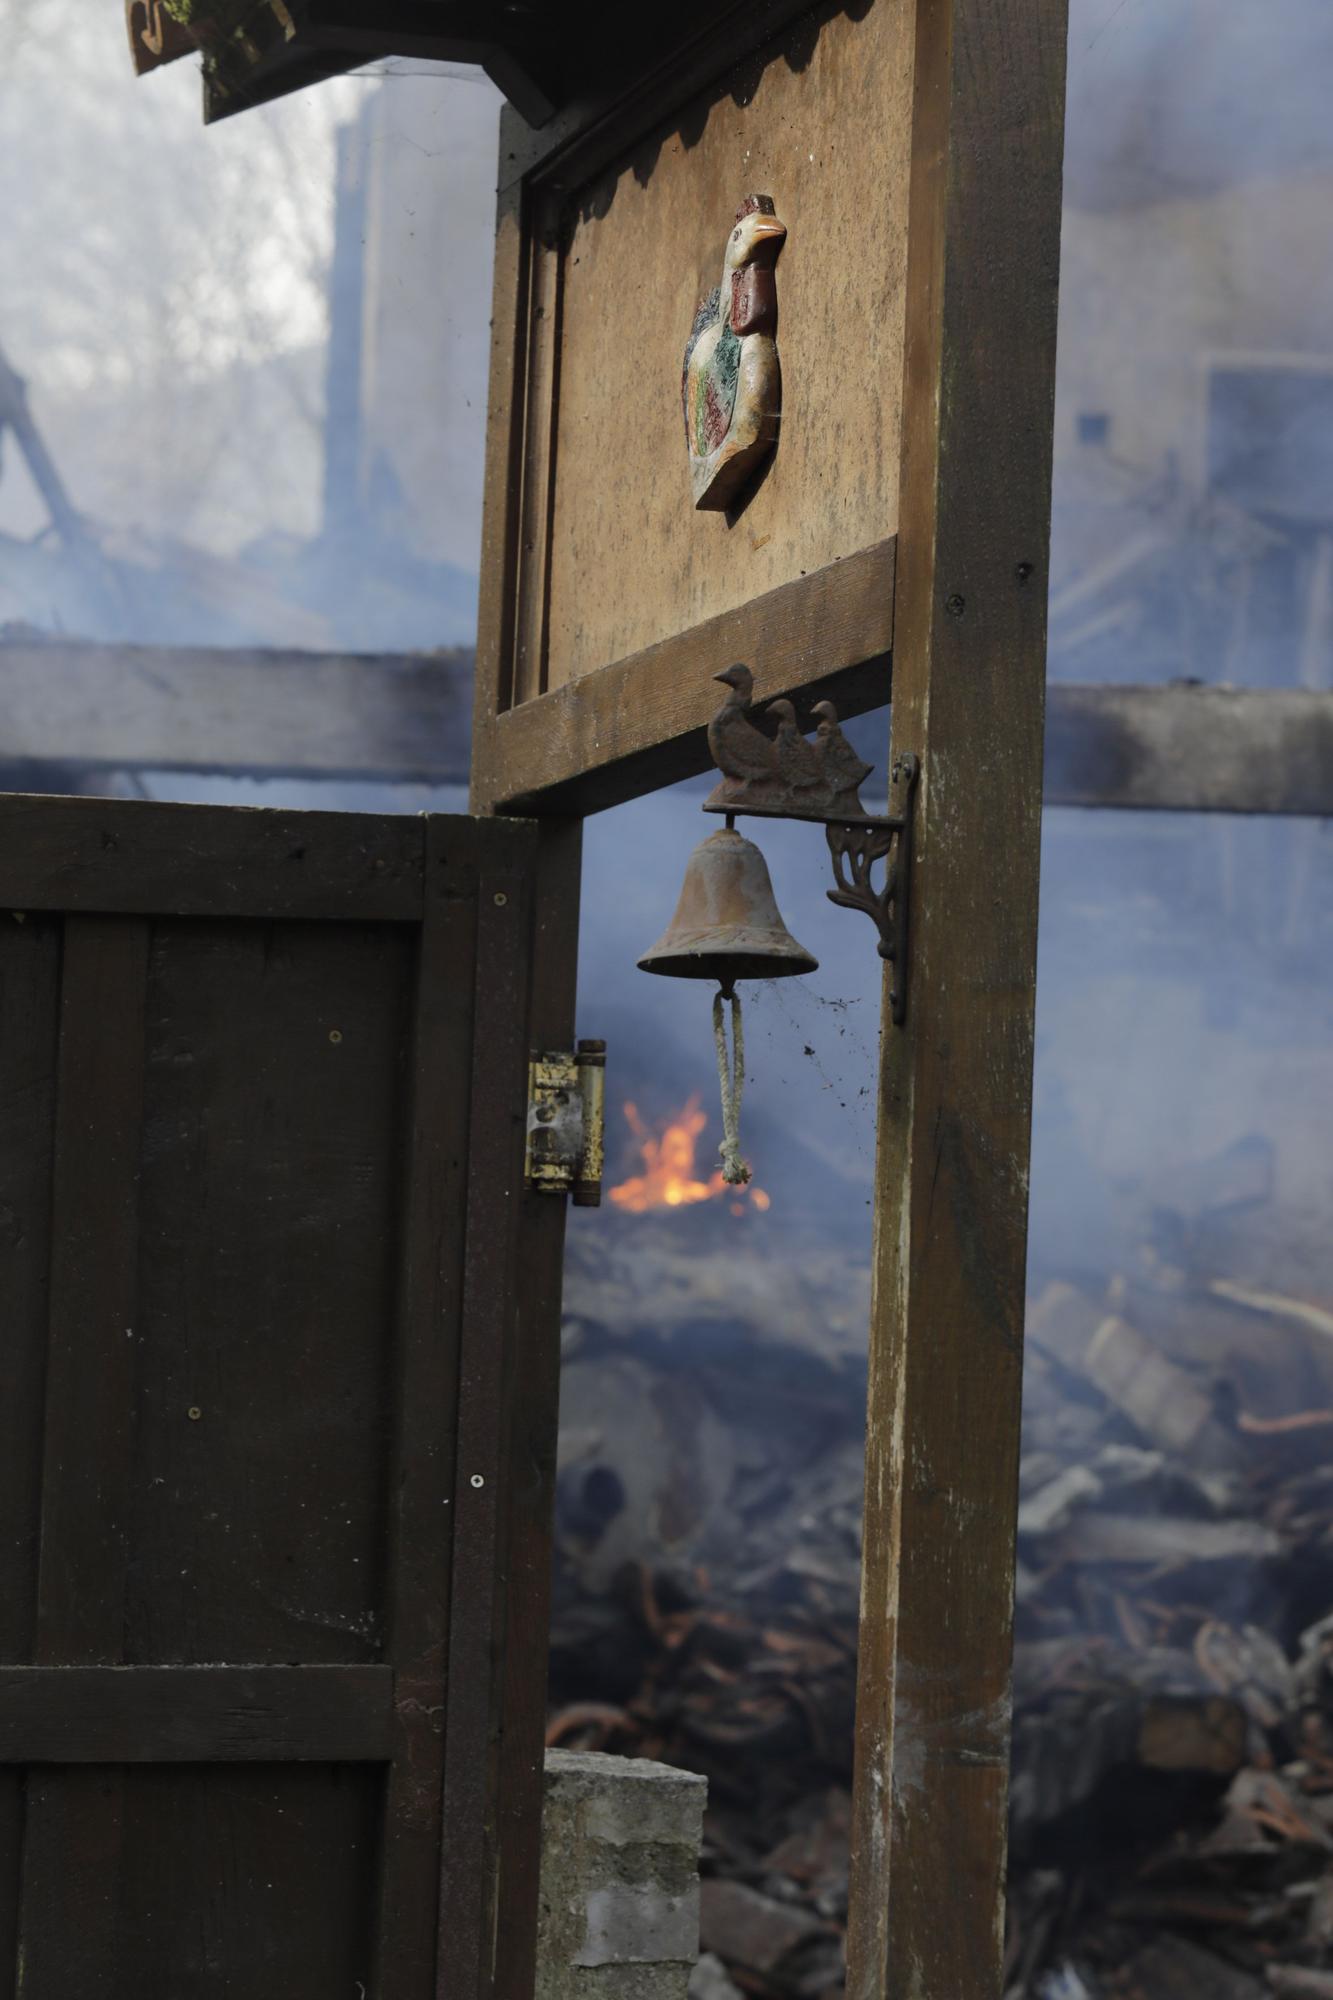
pixel 228 346
pixel 1171 98
pixel 231 339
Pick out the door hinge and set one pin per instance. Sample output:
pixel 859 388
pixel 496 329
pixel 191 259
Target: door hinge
pixel 566 1123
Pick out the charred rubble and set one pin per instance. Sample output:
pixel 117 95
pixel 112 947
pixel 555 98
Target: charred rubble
pixel 1172 1802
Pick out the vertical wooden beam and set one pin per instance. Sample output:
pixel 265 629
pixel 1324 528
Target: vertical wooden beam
pixel 421 1520
pixel 506 426
pixel 492 1268
pixel 508 1418
pixel 955 1093
pixel 532 1419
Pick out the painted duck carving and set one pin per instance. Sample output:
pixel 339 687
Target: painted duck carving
pixel 731 386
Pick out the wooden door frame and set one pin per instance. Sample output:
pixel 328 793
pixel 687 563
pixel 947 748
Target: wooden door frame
pixel 958 598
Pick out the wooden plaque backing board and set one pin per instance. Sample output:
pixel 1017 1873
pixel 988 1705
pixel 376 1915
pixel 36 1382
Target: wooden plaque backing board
pixel 630 562
pixel 597 567
pixel 945 564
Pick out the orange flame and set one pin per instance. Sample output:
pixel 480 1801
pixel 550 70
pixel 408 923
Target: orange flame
pixel 670 1178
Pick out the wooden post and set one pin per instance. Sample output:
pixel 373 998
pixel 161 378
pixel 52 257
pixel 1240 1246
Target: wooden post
pixel 955 1096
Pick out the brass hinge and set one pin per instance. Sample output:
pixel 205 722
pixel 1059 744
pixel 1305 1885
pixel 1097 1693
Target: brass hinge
pixel 566 1123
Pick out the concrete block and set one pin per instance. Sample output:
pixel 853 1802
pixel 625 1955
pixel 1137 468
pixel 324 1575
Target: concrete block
pixel 620 1879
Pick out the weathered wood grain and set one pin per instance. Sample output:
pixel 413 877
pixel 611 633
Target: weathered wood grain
pixel 631 560
pixel 494 690
pixel 29 1026
pixel 424 1469
pixel 473 1712
pixel 541 396
pixel 133 857
pixel 270 1171
pixel 531 1435
pixel 642 74
pixel 93 1292
pixel 83 709
pixel 929 1829
pixel 394 716
pixel 247 1879
pixel 29 1016
pixel 254 1213
pixel 195 1715
pixel 74 1831
pixel 643 722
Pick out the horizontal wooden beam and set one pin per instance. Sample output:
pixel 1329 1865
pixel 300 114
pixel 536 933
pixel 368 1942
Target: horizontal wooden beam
pixel 196 1715
pixel 406 718
pixel 642 722
pixel 132 857
pixel 402 717
pixel 1191 749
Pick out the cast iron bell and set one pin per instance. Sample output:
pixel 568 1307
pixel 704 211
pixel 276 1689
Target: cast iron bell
pixel 727 924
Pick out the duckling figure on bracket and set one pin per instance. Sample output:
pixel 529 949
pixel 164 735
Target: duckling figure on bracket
pixel 784 774
pixel 731 385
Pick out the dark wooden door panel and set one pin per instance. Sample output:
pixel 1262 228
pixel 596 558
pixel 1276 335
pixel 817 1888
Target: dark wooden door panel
pixel 29 996
pixel 199 1883
pixel 209 861
pixel 271 1178
pixel 192 1715
pixel 29 991
pixel 261 1116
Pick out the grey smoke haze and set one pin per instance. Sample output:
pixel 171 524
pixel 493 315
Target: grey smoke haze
pixel 171 295
pixel 1183 97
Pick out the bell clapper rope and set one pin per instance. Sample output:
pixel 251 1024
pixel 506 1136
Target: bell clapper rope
pixel 731 1077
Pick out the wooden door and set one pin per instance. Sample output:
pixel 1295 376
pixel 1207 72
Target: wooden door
pixel 277 1431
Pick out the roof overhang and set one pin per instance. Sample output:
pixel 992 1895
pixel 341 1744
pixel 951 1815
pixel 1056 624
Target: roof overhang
pixel 255 50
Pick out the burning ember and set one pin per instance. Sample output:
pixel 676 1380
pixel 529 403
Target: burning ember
pixel 670 1178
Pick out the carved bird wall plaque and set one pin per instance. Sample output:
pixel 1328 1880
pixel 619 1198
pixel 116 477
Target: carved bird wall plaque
pixel 731 385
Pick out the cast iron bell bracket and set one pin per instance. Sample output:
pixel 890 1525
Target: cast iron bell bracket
pixel 856 845
pixel 771 770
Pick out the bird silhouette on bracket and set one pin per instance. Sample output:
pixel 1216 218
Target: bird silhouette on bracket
pixel 731 383
pixel 784 775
